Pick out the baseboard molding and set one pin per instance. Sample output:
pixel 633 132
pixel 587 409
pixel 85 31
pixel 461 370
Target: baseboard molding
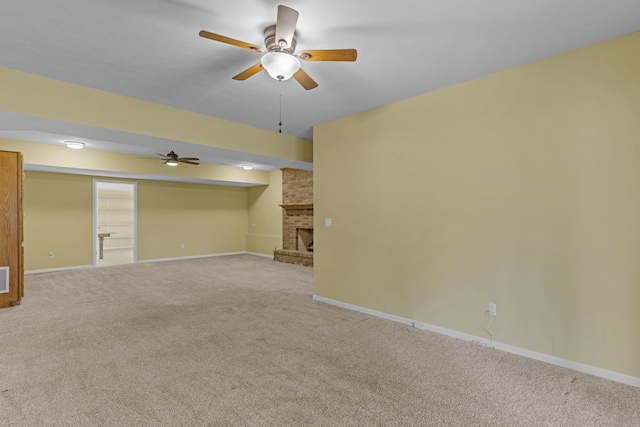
pixel 191 257
pixel 78 267
pixel 576 366
pixel 51 270
pixel 261 255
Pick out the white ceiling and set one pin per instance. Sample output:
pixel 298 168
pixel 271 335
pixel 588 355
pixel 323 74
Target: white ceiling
pixel 150 50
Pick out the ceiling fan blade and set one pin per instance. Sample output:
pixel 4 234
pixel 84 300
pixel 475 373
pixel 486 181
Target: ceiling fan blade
pixel 189 162
pixel 163 155
pixel 228 40
pixel 249 72
pixel 303 78
pixel 189 158
pixel 329 55
pixel 286 25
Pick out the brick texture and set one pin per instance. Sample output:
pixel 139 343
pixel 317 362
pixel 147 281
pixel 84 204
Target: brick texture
pixel 297 187
pixel 294 257
pixel 297 199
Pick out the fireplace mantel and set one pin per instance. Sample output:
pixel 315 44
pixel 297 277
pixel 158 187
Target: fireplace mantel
pixel 297 207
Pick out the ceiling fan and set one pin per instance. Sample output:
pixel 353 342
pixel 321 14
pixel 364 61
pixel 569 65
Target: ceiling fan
pixel 280 44
pixel 172 159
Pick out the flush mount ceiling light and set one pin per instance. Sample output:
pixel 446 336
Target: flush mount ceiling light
pixel 76 145
pixel 247 167
pixel 280 65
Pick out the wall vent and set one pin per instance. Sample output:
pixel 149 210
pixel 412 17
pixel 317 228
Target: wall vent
pixel 4 280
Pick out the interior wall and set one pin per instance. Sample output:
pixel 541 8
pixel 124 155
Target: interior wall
pixel 521 188
pixel 207 219
pixel 265 216
pixel 58 218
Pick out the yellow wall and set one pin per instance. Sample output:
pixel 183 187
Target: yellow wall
pixel 58 218
pixel 208 219
pixel 265 216
pixel 37 96
pixel 520 188
pixel 58 208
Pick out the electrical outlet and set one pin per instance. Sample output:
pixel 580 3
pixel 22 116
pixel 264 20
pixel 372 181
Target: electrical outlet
pixel 50 254
pixel 492 309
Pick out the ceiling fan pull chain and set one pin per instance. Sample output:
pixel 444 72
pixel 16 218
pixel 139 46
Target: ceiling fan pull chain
pixel 280 124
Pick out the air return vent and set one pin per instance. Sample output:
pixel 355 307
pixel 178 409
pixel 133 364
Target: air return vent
pixel 4 280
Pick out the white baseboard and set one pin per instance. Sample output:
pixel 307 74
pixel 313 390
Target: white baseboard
pixel 192 257
pixel 258 254
pixel 78 267
pixel 580 367
pixel 51 270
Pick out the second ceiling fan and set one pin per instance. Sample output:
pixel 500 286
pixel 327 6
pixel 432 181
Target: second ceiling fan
pixel 280 44
pixel 172 159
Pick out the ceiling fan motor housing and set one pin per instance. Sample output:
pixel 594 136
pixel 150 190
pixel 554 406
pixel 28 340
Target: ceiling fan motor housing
pixel 273 45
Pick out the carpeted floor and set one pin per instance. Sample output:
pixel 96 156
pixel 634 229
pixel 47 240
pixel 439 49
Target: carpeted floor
pixel 238 341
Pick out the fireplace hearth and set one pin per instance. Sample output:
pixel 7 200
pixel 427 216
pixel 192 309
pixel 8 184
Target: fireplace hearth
pixel 297 235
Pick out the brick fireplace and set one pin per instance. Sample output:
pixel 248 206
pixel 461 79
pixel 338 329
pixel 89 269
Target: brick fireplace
pixel 297 218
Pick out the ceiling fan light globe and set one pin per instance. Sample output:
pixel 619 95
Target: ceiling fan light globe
pixel 280 65
pixel 171 162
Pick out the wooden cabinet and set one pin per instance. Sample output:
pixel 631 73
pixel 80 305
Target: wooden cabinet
pixel 11 229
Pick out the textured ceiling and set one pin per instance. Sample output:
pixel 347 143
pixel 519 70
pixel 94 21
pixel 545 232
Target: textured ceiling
pixel 150 50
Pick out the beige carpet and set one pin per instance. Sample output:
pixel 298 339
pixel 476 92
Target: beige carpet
pixel 238 341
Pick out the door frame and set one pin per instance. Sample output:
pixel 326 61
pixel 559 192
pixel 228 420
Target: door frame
pixel 134 184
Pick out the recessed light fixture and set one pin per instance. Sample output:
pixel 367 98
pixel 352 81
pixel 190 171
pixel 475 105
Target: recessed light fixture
pixel 247 167
pixel 76 145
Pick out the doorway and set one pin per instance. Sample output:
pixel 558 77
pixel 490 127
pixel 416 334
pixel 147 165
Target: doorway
pixel 114 222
